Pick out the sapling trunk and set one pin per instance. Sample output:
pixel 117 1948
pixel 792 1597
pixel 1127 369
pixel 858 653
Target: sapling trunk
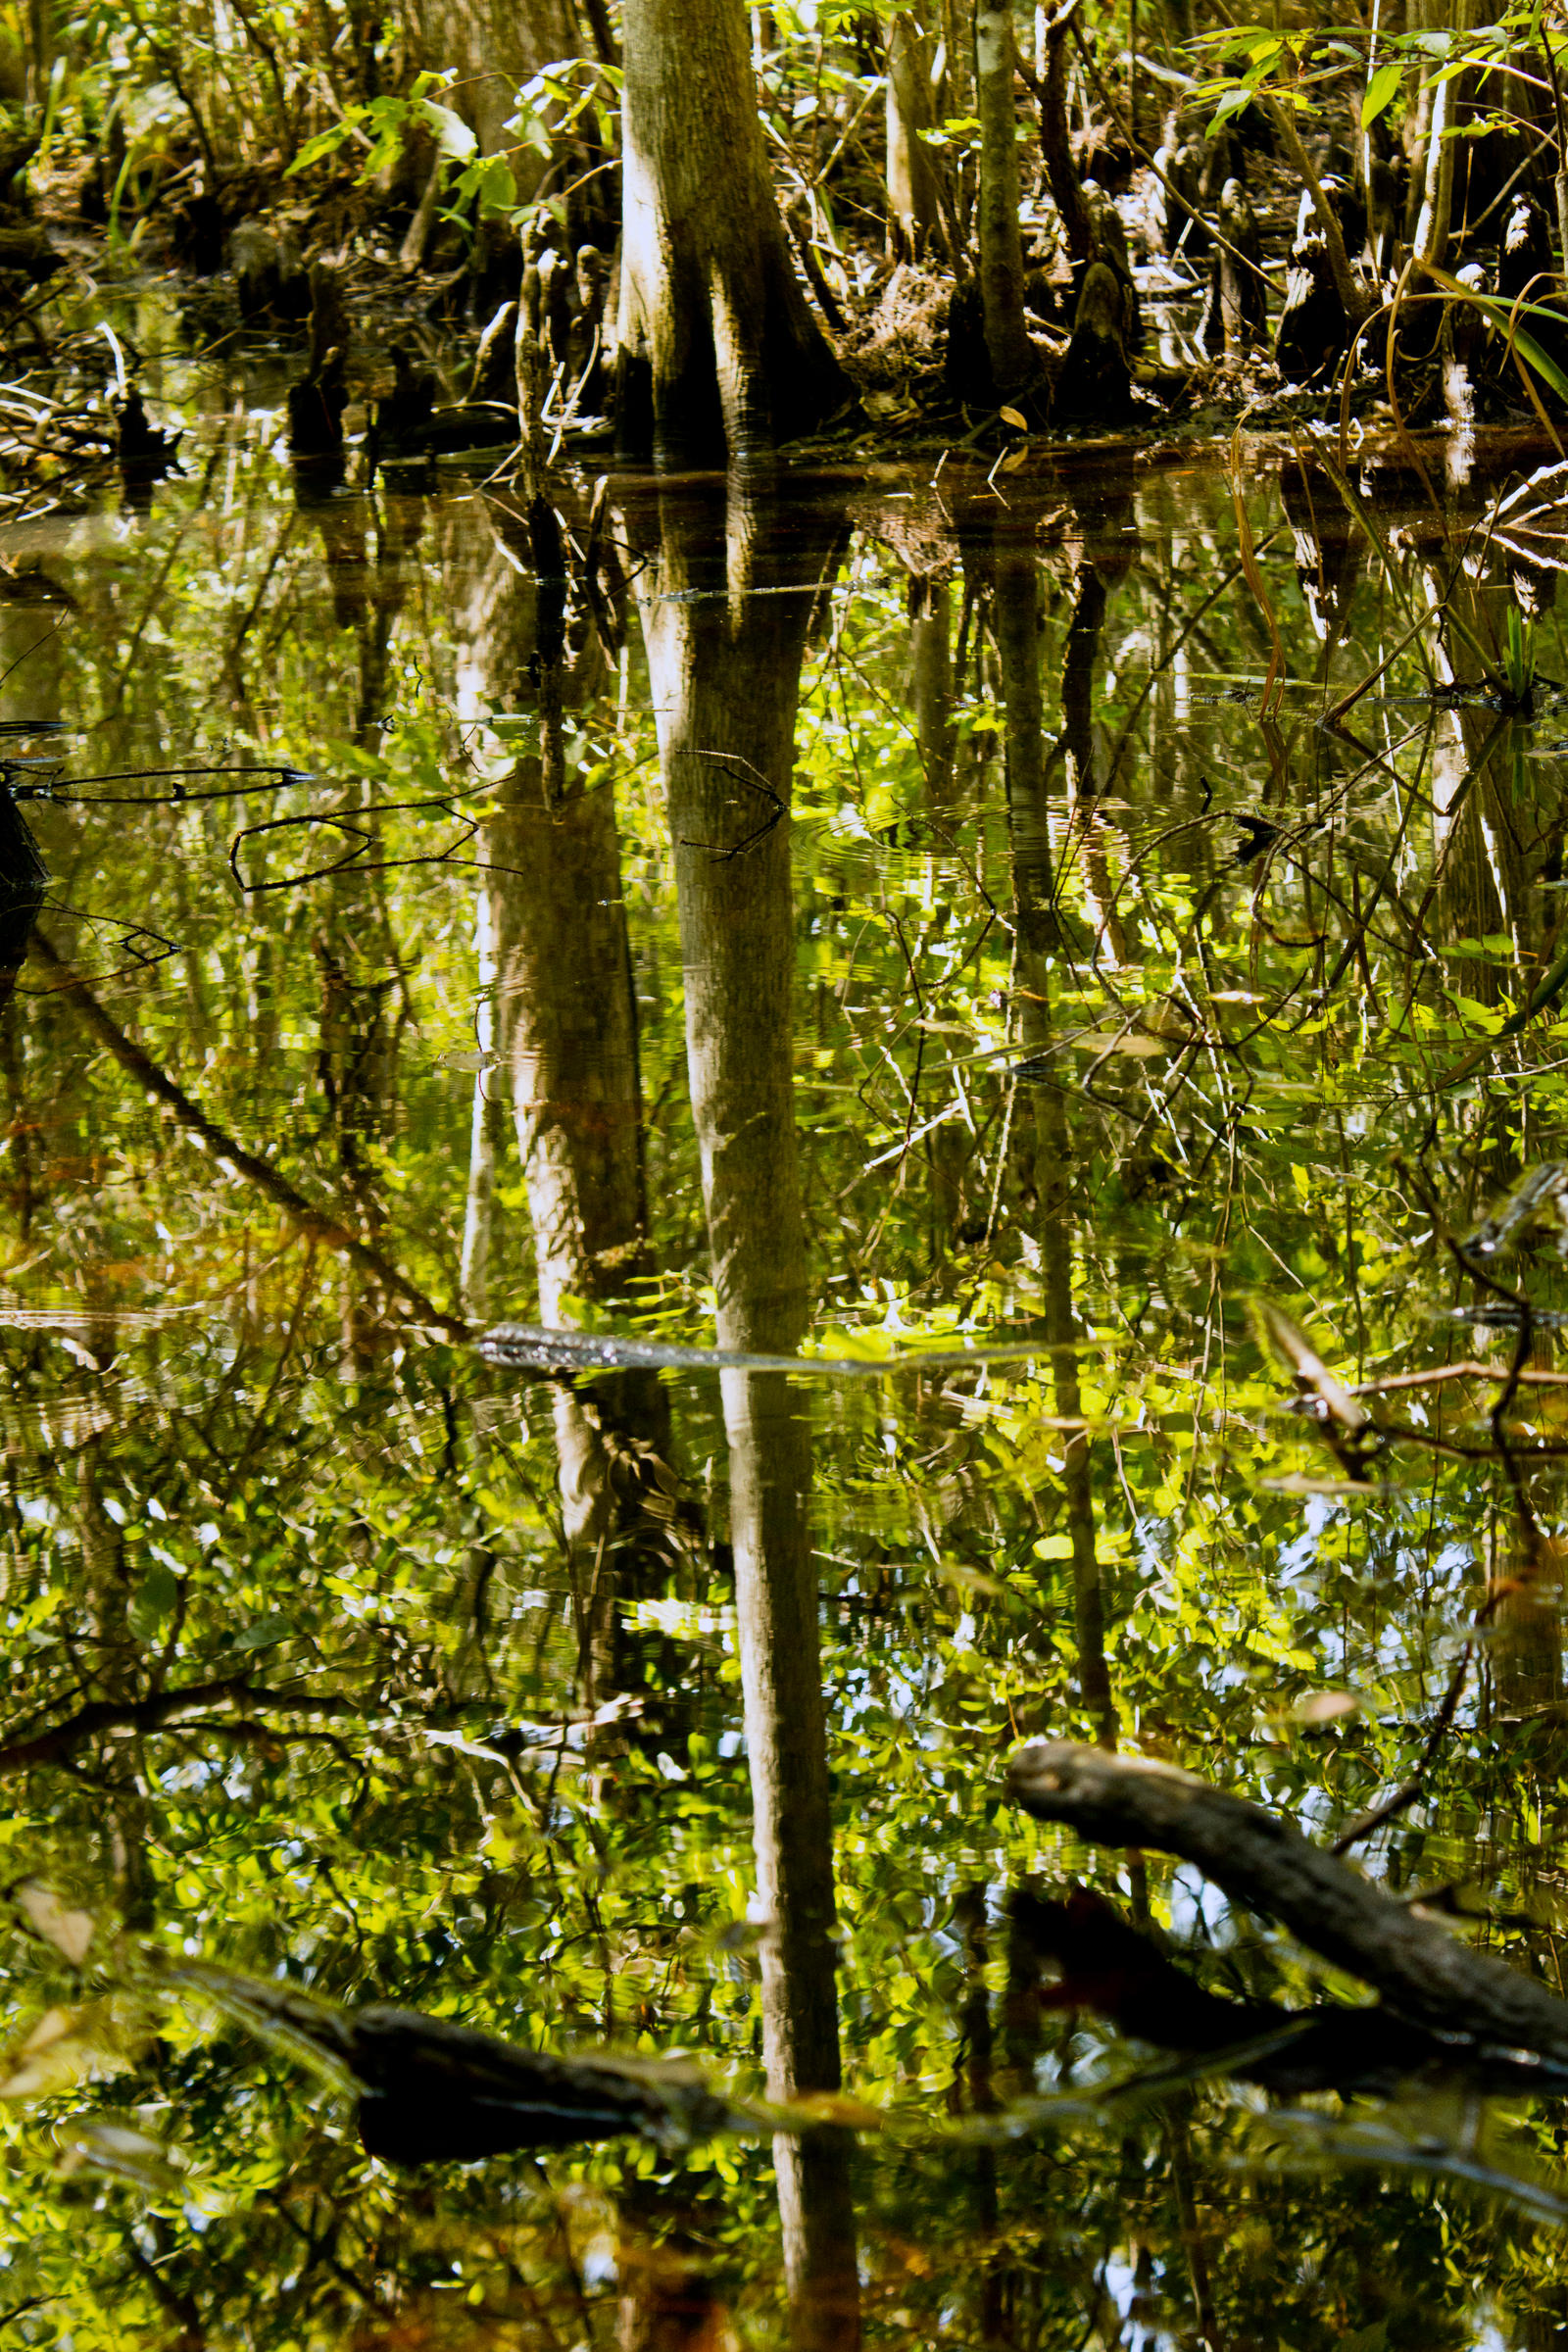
pixel 1056 149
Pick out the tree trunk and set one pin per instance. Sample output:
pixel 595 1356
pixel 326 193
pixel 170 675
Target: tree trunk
pixel 727 686
pixel 1061 177
pixel 1437 200
pixel 914 210
pixel 719 354
pixel 490 48
pixel 1014 365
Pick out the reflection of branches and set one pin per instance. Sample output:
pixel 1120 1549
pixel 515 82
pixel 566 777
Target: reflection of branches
pixel 1410 1788
pixel 758 782
pixel 131 937
pixel 231 1154
pixel 102 1715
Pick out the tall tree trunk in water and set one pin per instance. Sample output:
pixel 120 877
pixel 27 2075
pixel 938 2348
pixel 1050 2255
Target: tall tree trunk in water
pixel 724 670
pixel 914 207
pixel 1017 624
pixel 719 354
pixel 1014 365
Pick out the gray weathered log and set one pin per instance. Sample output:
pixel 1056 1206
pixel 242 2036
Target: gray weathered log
pixel 1260 1860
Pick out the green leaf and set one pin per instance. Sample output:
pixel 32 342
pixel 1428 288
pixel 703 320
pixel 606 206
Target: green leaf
pixel 1380 93
pixel 261 1633
pixel 325 142
pixel 155 1600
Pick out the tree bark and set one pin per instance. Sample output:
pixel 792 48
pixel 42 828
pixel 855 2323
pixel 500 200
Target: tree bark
pixel 719 354
pixel 490 49
pixel 914 211
pixel 1061 177
pixel 724 669
pixel 1013 365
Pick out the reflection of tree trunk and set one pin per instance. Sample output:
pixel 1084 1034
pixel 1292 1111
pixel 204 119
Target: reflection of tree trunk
pixel 1087 771
pixel 931 684
pixel 567 1037
pixel 1179 2145
pixel 479 1205
pixel 1017 630
pixel 724 670
pixel 950 1146
pixel 980 2098
pixel 108 1598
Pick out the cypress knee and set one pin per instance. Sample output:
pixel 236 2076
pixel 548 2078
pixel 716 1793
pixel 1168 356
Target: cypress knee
pixel 1095 380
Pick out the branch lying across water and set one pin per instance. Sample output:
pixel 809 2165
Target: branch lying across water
pixel 556 1354
pixel 1528 1378
pixel 1263 1861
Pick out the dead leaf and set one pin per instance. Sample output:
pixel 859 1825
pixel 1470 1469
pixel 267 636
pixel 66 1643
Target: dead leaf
pixel 1325 1706
pixel 1140 1048
pixel 69 1932
pixel 1012 418
pixel 1290 1347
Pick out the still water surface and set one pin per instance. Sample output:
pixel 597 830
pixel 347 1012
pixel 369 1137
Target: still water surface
pixel 874 916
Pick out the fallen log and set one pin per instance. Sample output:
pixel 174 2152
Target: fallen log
pixel 1423 1973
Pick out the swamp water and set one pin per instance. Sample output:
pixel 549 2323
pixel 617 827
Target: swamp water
pixel 1102 997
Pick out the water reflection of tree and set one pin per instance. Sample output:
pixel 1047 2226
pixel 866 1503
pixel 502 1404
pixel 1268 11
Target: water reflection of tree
pixel 726 608
pixel 567 1054
pixel 395 1863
